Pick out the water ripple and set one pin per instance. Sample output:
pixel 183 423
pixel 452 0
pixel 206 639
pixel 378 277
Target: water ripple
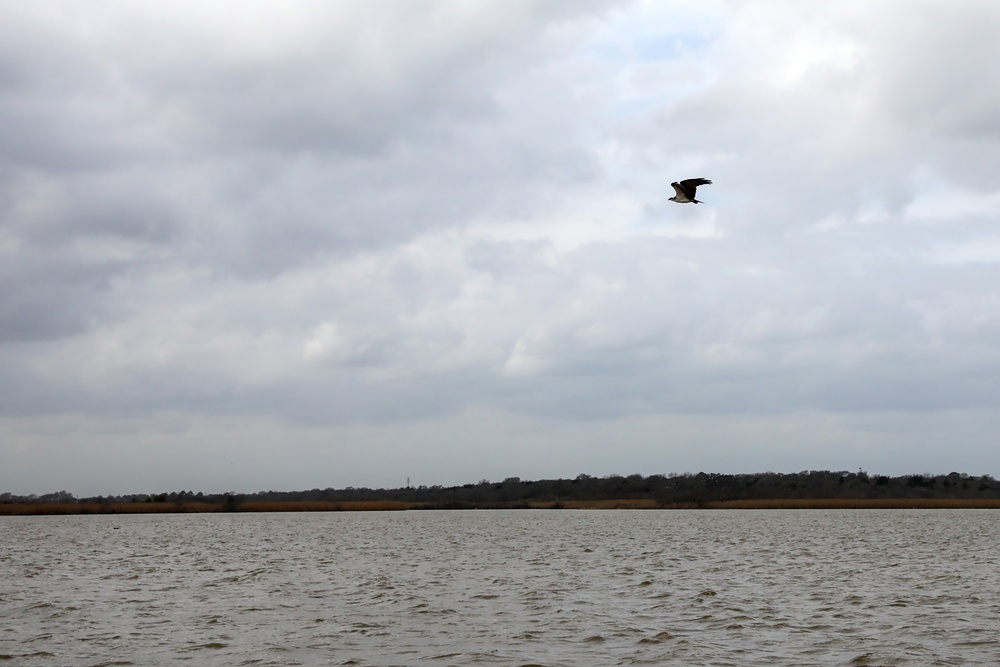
pixel 858 587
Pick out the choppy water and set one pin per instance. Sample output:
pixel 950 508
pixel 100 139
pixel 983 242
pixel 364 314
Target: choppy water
pixel 857 587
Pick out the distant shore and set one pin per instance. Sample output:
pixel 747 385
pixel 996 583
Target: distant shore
pixel 809 489
pixel 30 509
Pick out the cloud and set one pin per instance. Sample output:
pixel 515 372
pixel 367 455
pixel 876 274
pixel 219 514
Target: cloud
pixel 390 216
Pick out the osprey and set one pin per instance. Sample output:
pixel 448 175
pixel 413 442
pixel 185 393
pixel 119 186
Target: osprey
pixel 686 188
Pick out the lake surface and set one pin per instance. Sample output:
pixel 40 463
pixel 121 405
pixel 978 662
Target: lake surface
pixel 554 588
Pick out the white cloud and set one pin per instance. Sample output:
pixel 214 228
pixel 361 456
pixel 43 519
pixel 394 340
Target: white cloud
pixel 383 222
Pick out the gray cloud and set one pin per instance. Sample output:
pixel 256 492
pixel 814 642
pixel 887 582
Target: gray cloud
pixel 364 228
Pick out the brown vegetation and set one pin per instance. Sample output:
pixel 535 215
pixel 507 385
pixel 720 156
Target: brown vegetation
pixel 324 506
pixel 614 504
pixel 26 509
pixel 809 489
pixel 856 503
pixel 10 509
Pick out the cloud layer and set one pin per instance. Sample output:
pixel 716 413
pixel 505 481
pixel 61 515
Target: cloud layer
pixel 315 246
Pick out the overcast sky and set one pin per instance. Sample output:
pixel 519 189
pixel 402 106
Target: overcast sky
pixel 301 244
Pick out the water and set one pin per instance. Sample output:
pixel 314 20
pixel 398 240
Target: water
pixel 896 587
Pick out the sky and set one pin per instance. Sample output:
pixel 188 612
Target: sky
pixel 283 246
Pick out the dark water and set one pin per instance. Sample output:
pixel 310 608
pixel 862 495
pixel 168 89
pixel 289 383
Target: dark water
pixel 896 587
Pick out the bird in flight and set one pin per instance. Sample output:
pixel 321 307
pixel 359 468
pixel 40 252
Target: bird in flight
pixel 685 190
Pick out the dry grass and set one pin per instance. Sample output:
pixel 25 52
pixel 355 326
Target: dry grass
pixel 19 509
pixel 619 504
pixel 324 506
pixel 783 503
pixel 376 505
pixel 27 509
pixel 11 509
pixel 858 503
pixel 287 506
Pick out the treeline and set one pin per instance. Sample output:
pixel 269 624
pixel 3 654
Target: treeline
pixel 674 490
pixel 669 489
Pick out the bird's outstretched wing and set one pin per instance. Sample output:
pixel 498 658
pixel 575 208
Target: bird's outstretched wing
pixel 692 183
pixel 679 189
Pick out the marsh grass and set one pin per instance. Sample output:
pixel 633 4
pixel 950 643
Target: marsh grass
pixel 325 506
pixel 857 503
pixel 27 509
pixel 614 504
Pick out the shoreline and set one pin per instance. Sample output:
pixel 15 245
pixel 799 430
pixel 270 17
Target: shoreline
pixel 52 509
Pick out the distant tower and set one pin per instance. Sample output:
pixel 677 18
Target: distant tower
pixel 407 482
